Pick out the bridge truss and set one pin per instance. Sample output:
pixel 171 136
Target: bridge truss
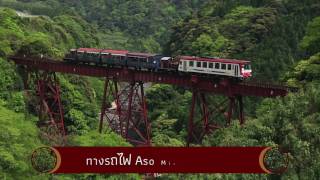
pixel 127 116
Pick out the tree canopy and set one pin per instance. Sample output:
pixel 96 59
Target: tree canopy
pixel 281 38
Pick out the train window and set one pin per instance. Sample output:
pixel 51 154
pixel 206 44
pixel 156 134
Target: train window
pixel 247 67
pixel 229 66
pixel 217 66
pixel 211 65
pixel 198 64
pixel 223 66
pixel 143 60
pixel 205 64
pixel 191 63
pixel 134 59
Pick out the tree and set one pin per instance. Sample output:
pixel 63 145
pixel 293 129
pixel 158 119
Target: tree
pixel 311 41
pixel 19 137
pixel 203 45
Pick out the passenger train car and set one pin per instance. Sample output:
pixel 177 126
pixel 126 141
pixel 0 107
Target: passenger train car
pixel 153 62
pixel 216 66
pixel 143 61
pixel 113 57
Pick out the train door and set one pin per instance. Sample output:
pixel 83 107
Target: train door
pixel 236 70
pixel 184 65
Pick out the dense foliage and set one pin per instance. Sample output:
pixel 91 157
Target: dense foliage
pixel 135 25
pixel 281 38
pixel 275 36
pixel 266 32
pixel 18 131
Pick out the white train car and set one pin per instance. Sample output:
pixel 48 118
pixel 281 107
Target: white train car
pixel 216 66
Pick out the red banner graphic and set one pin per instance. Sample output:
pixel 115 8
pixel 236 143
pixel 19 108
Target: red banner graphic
pixel 156 160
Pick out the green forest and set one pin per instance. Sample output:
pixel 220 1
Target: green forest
pixel 281 38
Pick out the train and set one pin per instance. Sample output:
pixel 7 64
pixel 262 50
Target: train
pixel 208 66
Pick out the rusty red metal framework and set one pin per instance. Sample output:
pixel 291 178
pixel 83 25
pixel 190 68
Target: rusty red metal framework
pixel 210 114
pixel 50 110
pixel 128 115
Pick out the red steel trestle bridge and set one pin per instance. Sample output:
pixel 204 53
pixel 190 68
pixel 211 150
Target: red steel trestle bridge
pixel 129 115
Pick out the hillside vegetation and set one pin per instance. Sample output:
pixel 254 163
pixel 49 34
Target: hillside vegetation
pixel 281 38
pixel 135 25
pixel 266 32
pixel 18 131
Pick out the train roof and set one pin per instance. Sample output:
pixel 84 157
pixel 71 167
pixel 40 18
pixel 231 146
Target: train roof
pixel 136 54
pixel 89 50
pixel 95 50
pixel 112 51
pixel 194 58
pixel 146 55
pixel 166 58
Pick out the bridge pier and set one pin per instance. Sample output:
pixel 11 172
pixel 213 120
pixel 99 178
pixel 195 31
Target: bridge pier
pixel 127 114
pixel 51 115
pixel 215 115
